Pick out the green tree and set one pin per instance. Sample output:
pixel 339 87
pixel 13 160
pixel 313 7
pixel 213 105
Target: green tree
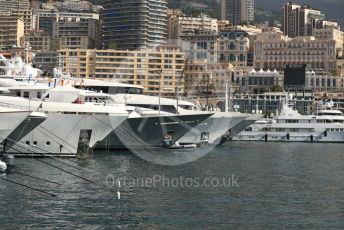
pixel 277 88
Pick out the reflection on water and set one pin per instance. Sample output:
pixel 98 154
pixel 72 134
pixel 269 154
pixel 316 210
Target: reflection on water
pixel 288 185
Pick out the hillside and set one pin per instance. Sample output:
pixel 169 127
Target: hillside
pixel 332 8
pixel 190 7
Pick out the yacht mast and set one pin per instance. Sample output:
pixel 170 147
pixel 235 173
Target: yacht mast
pixel 178 79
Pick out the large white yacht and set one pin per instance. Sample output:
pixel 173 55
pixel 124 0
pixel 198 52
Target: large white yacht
pixel 17 121
pixel 143 128
pixel 14 124
pixel 291 126
pixel 10 119
pixel 68 126
pixel 209 131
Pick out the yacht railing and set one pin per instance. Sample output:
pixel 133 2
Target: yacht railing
pixel 13 106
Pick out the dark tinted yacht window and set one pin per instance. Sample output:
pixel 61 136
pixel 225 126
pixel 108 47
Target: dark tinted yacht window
pixel 165 108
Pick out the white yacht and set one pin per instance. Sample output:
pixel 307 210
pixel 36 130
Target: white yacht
pixel 209 131
pixel 16 121
pixel 67 127
pixel 14 124
pixel 10 119
pixel 143 128
pixel 291 126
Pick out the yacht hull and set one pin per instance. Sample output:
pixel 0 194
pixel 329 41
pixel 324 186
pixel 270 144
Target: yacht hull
pixel 9 121
pixel 333 133
pixel 60 134
pixel 213 129
pixel 29 124
pixel 250 119
pixel 154 131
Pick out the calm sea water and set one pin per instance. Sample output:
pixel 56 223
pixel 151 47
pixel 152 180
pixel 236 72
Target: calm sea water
pixel 274 186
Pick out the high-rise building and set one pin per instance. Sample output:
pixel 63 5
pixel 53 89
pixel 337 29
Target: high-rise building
pixel 39 40
pixel 11 30
pixel 157 70
pixel 299 20
pixel 15 4
pixel 45 18
pixel 77 34
pixel 19 8
pixel 134 24
pixel 183 24
pixel 237 11
pixel 172 14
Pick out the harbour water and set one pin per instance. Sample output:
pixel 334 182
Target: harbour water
pixel 273 186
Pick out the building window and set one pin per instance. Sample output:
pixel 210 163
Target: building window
pixel 242 57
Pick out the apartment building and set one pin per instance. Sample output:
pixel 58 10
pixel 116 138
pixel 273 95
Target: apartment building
pixel 182 24
pixel 20 9
pixel 171 15
pixel 237 11
pixel 77 34
pixel 39 41
pixel 134 25
pixel 154 69
pixel 299 20
pixel 45 61
pixel 43 19
pixel 11 30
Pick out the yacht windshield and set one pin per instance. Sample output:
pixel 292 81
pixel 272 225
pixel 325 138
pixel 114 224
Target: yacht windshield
pixel 99 99
pixel 114 89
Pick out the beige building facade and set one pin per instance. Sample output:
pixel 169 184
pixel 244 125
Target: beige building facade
pixel 77 34
pixel 182 24
pixel 11 30
pixel 202 78
pixel 20 8
pixel 232 47
pixel 156 70
pixel 39 41
pixel 332 34
pixel 275 51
